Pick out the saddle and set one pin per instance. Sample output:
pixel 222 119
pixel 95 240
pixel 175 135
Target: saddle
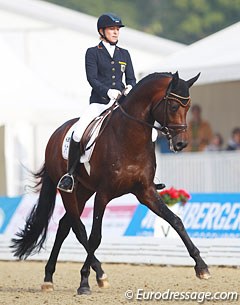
pixel 87 141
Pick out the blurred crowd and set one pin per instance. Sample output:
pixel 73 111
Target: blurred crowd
pixel 202 138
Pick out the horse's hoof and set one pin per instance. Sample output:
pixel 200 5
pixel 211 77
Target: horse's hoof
pixel 47 286
pixel 103 281
pixel 203 274
pixel 84 290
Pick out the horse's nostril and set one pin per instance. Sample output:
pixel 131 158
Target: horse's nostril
pixel 180 145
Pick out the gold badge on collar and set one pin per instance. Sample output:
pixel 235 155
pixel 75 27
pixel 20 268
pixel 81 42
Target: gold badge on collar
pixel 123 66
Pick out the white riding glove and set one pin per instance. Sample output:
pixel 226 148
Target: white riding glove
pixel 113 94
pixel 128 88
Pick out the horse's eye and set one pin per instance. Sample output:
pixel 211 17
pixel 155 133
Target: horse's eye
pixel 174 107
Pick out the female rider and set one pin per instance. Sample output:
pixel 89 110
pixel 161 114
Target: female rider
pixel 105 66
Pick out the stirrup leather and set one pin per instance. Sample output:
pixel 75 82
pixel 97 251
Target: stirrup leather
pixel 66 190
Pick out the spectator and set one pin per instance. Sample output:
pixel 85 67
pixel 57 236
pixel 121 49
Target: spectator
pixel 216 143
pixel 234 142
pixel 199 131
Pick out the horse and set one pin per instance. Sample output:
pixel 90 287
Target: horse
pixel 123 161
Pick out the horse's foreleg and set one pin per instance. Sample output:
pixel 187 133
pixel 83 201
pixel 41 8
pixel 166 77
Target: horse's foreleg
pixel 155 203
pixel 93 243
pixel 62 233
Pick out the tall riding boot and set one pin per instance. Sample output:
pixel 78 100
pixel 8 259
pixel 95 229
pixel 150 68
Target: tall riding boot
pixel 66 183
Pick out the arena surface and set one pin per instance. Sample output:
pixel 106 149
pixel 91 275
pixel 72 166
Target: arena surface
pixel 20 283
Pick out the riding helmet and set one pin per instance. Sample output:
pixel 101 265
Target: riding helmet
pixel 108 20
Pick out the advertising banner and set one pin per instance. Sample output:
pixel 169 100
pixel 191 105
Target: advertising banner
pixel 117 216
pixel 204 216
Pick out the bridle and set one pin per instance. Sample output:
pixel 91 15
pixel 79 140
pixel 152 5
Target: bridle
pixel 176 128
pixel 165 128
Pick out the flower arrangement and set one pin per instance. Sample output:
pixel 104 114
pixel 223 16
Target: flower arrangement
pixel 172 196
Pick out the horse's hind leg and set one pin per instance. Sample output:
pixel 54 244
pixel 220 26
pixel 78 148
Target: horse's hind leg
pixel 62 232
pixel 93 242
pixel 78 200
pixel 82 196
pixel 151 199
pixel 81 234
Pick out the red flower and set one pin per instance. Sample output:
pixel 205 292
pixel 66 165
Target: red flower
pixel 172 196
pixel 184 193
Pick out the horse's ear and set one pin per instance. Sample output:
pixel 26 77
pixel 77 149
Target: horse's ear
pixel 191 81
pixel 175 79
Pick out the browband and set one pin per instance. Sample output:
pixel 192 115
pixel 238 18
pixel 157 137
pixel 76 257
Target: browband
pixel 184 101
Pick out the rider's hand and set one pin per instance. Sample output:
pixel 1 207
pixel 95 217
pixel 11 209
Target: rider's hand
pixel 128 88
pixel 113 94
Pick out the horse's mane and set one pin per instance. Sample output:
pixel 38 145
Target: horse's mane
pixel 152 76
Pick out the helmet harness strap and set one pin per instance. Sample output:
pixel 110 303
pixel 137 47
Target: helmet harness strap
pixel 105 38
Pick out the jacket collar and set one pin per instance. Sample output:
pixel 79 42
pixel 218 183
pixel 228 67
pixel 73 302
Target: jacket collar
pixel 102 47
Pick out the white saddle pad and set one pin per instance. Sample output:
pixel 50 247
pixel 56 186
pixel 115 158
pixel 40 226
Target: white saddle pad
pixel 88 153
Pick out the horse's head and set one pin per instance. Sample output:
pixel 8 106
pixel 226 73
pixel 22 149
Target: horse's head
pixel 171 111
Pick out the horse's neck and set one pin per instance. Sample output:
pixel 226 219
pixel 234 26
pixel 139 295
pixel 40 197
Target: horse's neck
pixel 129 122
pixel 137 106
pixel 141 100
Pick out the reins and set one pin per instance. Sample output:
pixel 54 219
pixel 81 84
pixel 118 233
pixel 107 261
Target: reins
pixel 165 128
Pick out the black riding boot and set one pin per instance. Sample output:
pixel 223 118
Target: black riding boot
pixel 66 183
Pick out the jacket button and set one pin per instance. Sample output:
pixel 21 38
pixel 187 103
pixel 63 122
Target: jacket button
pixel 112 62
pixel 113 69
pixel 113 76
pixel 113 84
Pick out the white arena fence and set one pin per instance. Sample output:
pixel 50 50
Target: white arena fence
pixel 204 172
pixel 196 172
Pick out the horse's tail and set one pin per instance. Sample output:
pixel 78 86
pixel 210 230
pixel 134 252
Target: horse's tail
pixel 31 239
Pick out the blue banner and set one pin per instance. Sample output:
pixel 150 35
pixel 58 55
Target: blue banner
pixel 7 208
pixel 211 215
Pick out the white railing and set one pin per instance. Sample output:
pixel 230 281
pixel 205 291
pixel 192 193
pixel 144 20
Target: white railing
pixel 196 172
pixel 200 172
pixel 140 250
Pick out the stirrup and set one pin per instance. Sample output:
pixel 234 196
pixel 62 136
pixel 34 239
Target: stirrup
pixel 66 190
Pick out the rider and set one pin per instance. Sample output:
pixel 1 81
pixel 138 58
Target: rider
pixel 105 66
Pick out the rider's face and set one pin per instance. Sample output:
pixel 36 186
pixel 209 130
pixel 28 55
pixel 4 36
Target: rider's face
pixel 112 33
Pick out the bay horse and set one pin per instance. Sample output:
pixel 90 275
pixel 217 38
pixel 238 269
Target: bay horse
pixel 123 162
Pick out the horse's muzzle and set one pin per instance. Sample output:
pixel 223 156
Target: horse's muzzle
pixel 180 145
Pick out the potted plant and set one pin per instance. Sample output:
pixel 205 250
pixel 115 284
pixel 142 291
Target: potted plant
pixel 172 196
pixel 175 199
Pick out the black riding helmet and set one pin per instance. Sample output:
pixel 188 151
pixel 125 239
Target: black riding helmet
pixel 108 20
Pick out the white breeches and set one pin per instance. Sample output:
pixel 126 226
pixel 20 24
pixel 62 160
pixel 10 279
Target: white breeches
pixel 92 111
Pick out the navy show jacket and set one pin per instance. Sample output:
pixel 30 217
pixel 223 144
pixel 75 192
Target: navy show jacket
pixel 105 72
